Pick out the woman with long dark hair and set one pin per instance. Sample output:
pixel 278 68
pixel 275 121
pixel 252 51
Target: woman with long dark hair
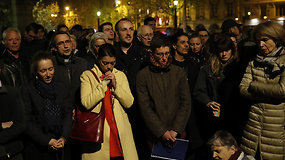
pixel 215 86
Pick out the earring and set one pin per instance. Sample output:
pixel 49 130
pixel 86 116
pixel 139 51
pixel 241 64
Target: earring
pixel 37 77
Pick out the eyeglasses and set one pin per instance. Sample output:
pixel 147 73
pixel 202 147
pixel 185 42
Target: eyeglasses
pixel 148 35
pixel 162 54
pixel 61 43
pixel 105 63
pixel 204 35
pixel 97 46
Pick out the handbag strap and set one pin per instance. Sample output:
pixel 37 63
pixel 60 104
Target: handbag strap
pixel 94 74
pixel 96 77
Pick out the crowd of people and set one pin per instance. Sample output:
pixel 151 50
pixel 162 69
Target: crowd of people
pixel 221 88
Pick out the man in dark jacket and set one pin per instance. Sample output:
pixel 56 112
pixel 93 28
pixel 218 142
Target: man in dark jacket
pixel 163 94
pixel 14 68
pixel 68 67
pixel 129 55
pixel 12 122
pixel 130 60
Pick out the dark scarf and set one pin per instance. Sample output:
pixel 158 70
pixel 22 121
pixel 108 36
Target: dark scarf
pixel 235 155
pixel 52 113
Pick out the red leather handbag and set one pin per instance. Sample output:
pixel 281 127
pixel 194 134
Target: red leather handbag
pixel 88 126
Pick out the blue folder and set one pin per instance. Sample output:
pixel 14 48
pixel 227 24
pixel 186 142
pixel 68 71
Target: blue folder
pixel 177 152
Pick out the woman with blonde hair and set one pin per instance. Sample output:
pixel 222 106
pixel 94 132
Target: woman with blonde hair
pixel 264 84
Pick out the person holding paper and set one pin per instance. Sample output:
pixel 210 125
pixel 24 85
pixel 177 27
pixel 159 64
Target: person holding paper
pixel 163 95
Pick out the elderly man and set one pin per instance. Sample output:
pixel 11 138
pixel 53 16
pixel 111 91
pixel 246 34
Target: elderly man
pixel 14 68
pixel 145 35
pixel 163 95
pixel 224 147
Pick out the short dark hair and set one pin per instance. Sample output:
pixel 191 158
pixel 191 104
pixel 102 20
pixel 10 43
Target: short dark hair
pixel 100 29
pixel 202 29
pixel 106 50
pixel 198 27
pixel 223 138
pixel 195 35
pixel 159 40
pixel 40 55
pixel 39 26
pixel 61 26
pixel 148 19
pixel 52 42
pixel 77 27
pixel 175 37
pixel 32 27
pixel 117 24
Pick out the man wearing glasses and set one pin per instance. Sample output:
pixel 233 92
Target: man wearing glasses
pixel 144 36
pixel 163 95
pixel 68 67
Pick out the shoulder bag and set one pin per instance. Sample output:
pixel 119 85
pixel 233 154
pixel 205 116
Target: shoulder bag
pixel 88 126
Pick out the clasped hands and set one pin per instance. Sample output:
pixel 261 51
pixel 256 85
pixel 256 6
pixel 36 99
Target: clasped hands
pixel 169 137
pixel 57 144
pixel 109 77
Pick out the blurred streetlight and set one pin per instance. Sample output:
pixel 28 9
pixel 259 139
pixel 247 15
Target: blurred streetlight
pixel 249 13
pixel 98 14
pixel 67 8
pixel 53 15
pixel 117 3
pixel 175 2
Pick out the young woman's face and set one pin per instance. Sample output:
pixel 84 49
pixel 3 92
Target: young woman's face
pixel 225 55
pixel 195 44
pixel 267 45
pixel 46 70
pixel 107 63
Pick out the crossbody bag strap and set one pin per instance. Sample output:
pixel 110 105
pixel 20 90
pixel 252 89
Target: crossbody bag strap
pixel 94 74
